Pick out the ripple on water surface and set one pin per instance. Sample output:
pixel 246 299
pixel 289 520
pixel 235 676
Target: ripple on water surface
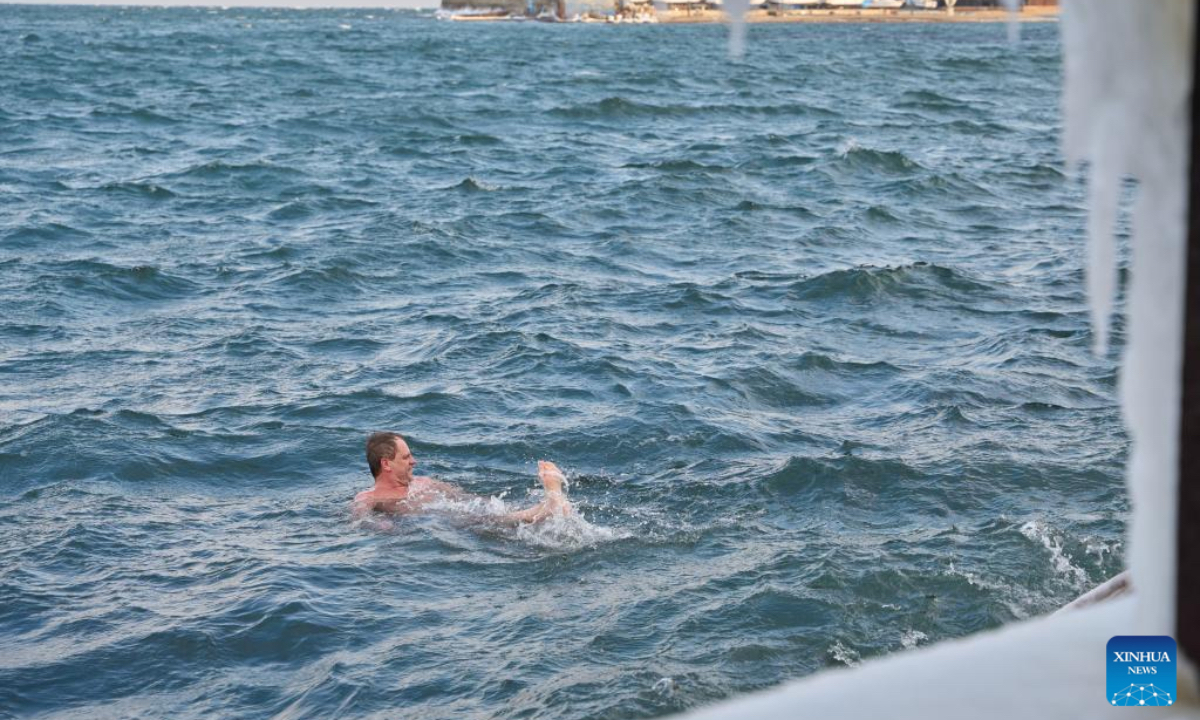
pixel 807 333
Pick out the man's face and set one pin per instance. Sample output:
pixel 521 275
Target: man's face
pixel 402 464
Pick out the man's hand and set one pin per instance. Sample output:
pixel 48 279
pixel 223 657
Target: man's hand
pixel 552 478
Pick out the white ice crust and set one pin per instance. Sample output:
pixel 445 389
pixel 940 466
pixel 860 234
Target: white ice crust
pixel 1051 667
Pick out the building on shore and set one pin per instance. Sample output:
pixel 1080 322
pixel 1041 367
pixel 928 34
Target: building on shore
pixel 624 8
pixel 995 4
pixel 687 7
pixel 776 7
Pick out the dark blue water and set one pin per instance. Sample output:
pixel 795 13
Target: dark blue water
pixel 807 332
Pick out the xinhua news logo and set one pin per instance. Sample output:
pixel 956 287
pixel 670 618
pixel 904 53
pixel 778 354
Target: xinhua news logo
pixel 1141 670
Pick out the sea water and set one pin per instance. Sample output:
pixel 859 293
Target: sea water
pixel 807 331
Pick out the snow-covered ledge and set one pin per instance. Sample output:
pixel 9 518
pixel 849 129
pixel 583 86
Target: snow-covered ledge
pixel 1127 107
pixel 1052 667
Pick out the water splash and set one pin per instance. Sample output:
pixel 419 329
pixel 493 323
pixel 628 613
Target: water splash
pixel 559 532
pixel 568 532
pixel 665 686
pixel 911 638
pixel 844 655
pixel 1043 534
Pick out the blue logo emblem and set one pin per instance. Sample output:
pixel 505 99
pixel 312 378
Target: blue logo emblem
pixel 1141 670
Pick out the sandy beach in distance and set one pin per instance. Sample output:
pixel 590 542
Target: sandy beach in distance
pixel 1034 13
pixel 825 15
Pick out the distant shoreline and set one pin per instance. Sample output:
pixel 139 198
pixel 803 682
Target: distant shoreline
pixel 826 15
pixel 1029 14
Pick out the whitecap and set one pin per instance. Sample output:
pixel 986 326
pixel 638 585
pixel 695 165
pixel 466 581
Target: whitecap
pixel 845 655
pixel 665 686
pixel 911 638
pixel 1040 532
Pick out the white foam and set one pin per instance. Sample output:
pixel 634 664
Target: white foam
pixel 971 578
pixel 1100 548
pixel 1040 532
pixel 665 686
pixel 570 532
pixel 1019 600
pixel 846 656
pixel 559 532
pixel 911 638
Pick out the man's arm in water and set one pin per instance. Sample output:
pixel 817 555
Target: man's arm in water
pixel 362 505
pixel 537 513
pixel 452 492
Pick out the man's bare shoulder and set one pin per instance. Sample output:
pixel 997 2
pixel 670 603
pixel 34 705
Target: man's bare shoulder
pixel 420 492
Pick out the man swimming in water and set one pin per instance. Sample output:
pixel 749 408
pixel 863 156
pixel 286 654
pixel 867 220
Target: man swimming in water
pixel 398 491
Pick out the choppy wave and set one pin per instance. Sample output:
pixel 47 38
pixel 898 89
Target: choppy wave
pixel 862 284
pixel 104 282
pixel 856 158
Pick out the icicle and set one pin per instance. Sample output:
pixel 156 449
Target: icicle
pixel 1014 24
pixel 737 27
pixel 1104 184
pixel 1126 105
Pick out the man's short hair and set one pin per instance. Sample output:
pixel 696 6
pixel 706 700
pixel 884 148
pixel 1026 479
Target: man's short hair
pixel 379 446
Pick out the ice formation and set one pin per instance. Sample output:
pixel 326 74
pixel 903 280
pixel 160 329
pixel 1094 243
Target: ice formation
pixel 736 10
pixel 1014 25
pixel 1126 106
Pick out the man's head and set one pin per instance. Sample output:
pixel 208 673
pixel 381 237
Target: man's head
pixel 389 457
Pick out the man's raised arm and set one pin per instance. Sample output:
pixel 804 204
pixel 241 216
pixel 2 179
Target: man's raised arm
pixel 555 502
